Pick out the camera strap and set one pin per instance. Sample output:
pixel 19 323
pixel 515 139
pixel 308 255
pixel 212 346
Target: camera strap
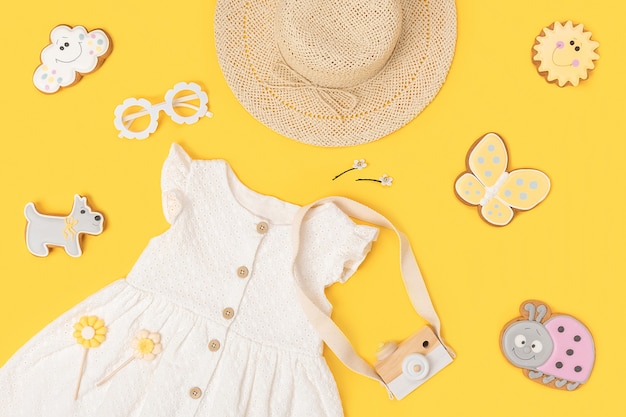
pixel 414 284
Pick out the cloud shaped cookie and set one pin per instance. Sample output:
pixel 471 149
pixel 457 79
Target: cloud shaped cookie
pixel 71 53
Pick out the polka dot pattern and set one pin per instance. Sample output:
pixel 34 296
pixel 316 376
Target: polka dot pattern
pixel 60 63
pixel 520 189
pixel 574 353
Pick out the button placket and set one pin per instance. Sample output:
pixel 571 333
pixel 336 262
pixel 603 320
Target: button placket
pixel 243 271
pixel 209 337
pixel 199 381
pixel 215 345
pixel 262 228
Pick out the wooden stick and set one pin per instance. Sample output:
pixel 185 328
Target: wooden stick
pixel 80 375
pixel 119 368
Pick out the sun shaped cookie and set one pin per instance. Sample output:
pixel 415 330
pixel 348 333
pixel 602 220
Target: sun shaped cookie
pixel 565 53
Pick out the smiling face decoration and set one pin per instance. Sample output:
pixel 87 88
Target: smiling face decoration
pixel 71 53
pixel 565 53
pixel 527 344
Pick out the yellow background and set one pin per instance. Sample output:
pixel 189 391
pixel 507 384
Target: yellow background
pixel 568 251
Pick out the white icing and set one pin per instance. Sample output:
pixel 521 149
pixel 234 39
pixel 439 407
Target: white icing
pixel 71 50
pixel 490 192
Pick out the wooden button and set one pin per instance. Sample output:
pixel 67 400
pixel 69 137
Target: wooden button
pixel 242 272
pixel 214 345
pixel 262 227
pixel 195 393
pixel 228 313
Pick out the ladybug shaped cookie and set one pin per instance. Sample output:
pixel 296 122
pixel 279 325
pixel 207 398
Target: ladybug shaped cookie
pixel 556 350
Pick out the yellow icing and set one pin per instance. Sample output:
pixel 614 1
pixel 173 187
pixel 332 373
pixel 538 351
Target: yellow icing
pixel 70 222
pixel 488 159
pixel 496 213
pixel 524 188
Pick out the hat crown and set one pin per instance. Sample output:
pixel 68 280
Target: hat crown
pixel 337 43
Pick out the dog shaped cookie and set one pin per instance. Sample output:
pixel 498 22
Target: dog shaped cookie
pixel 43 230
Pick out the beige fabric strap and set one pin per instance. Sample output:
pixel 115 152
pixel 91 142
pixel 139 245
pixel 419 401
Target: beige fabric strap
pixel 413 281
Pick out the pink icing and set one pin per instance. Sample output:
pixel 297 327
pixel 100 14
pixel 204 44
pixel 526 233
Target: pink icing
pixel 575 63
pixel 573 347
pixel 560 44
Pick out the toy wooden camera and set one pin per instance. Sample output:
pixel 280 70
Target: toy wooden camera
pixel 407 365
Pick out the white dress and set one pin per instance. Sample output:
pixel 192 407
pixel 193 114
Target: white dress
pixel 216 293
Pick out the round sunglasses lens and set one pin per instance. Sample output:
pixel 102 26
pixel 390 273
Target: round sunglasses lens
pixel 187 104
pixel 136 119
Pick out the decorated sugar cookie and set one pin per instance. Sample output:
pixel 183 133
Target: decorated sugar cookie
pixel 65 231
pixel 496 192
pixel 556 350
pixel 71 53
pixel 565 53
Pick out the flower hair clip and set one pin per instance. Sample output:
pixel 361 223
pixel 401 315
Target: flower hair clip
pixel 89 332
pixel 385 180
pixel 358 164
pixel 146 346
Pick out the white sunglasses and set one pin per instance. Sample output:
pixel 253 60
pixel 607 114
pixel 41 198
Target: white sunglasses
pixel 123 122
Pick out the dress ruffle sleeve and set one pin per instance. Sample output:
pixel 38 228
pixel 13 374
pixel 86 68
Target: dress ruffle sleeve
pixel 174 177
pixel 333 246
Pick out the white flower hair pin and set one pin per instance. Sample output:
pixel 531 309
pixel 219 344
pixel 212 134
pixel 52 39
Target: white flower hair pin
pixel 385 180
pixel 146 346
pixel 358 164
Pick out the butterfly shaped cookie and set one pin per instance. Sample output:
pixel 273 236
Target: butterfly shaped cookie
pixel 496 192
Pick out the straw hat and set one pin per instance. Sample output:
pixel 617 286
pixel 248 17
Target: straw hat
pixel 335 72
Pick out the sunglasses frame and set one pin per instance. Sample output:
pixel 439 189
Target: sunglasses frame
pixel 123 122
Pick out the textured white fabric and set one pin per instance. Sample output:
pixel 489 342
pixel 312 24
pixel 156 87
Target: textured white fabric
pixel 270 359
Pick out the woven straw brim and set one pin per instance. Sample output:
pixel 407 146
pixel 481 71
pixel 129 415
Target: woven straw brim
pixel 250 60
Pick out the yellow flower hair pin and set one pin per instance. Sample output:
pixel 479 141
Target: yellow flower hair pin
pixel 358 164
pixel 89 332
pixel 147 346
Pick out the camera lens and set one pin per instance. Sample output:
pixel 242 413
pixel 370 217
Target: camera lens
pixel 415 366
